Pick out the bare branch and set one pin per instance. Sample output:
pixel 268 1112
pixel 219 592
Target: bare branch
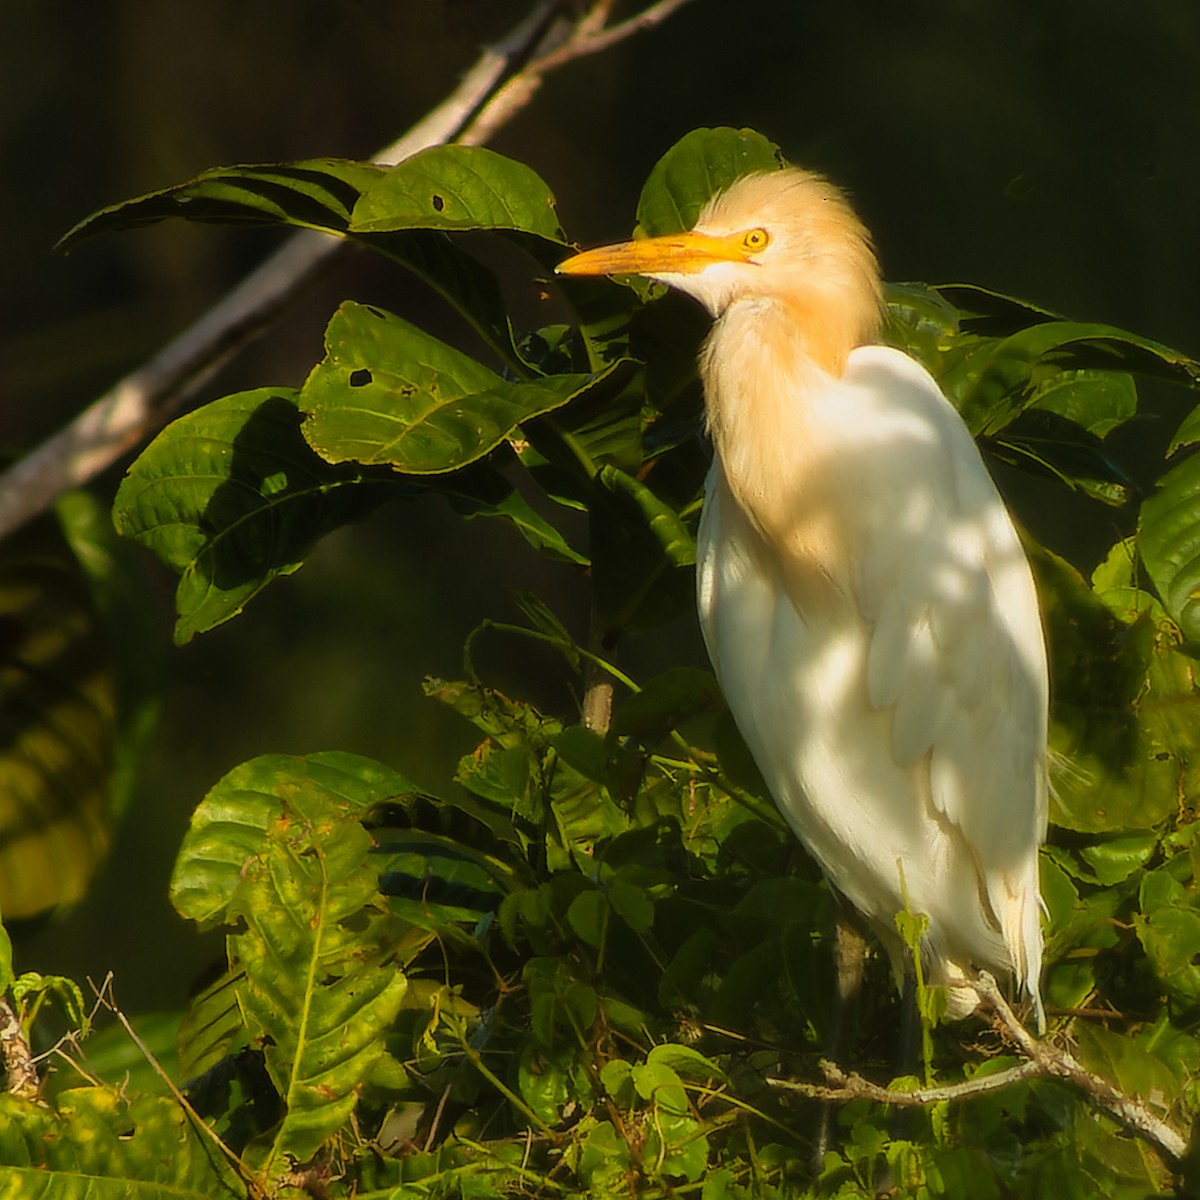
pixel 1128 1111
pixel 144 400
pixel 1043 1060
pixel 841 1087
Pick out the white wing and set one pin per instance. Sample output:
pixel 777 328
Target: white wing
pixel 903 722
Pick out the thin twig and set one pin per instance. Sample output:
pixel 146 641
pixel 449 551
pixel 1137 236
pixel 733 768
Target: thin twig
pixel 587 36
pixel 144 400
pixel 841 1087
pixel 104 995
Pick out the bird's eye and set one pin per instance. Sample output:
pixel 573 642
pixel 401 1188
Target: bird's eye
pixel 755 239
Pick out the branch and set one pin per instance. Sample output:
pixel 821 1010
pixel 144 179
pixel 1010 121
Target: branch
pixel 19 1068
pixel 841 1087
pixel 1128 1111
pixel 1042 1061
pixel 500 84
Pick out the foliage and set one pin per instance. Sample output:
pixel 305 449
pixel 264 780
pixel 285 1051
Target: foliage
pixel 574 970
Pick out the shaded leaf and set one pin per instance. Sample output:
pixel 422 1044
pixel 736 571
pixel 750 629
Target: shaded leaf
pixel 58 727
pixel 640 551
pixel 665 702
pixel 999 381
pixel 319 193
pixel 1055 446
pixel 1121 710
pixel 231 497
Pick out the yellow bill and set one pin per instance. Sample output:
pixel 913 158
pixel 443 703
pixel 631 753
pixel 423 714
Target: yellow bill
pixel 678 254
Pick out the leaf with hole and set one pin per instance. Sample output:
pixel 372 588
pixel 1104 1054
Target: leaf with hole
pixel 387 393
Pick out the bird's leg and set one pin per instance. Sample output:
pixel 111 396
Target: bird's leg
pixel 849 957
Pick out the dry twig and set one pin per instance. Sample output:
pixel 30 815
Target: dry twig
pixel 1043 1060
pixel 500 84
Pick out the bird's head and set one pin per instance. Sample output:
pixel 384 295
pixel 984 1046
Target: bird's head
pixel 788 236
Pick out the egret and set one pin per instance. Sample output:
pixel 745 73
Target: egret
pixel 863 593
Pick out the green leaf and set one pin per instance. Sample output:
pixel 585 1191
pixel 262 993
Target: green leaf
pixel 995 384
pixel 210 1028
pixel 319 990
pixel 389 393
pixel 1049 444
pixel 1121 710
pixel 231 497
pixel 458 187
pixel 641 550
pixel 1098 401
pixel 1116 859
pixel 991 314
pixel 588 917
pixel 482 491
pixel 920 321
pixel 666 702
pixel 1168 539
pixel 1188 433
pixel 229 827
pixel 99 1142
pixel 317 193
pixel 1169 930
pixel 700 164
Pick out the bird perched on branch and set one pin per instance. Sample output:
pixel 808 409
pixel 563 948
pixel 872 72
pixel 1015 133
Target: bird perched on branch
pixel 863 594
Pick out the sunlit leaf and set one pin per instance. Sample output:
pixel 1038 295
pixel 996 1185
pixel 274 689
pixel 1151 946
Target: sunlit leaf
pixel 99 1141
pixel 318 988
pixel 1169 542
pixel 1098 401
pixel 458 187
pixel 389 393
pixel 701 163
pixel 230 825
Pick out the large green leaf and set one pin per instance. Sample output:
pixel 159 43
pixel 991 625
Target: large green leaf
pixel 700 164
pixel 319 988
pixel 317 193
pixel 229 826
pixel 1169 542
pixel 1123 703
pixel 458 187
pixel 404 212
pixel 389 393
pixel 1002 378
pixel 231 496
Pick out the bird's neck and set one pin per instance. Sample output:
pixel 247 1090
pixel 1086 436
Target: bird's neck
pixel 767 381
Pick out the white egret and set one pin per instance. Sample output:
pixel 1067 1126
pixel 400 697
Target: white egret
pixel 864 597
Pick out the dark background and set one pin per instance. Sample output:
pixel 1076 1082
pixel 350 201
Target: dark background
pixel 1047 149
